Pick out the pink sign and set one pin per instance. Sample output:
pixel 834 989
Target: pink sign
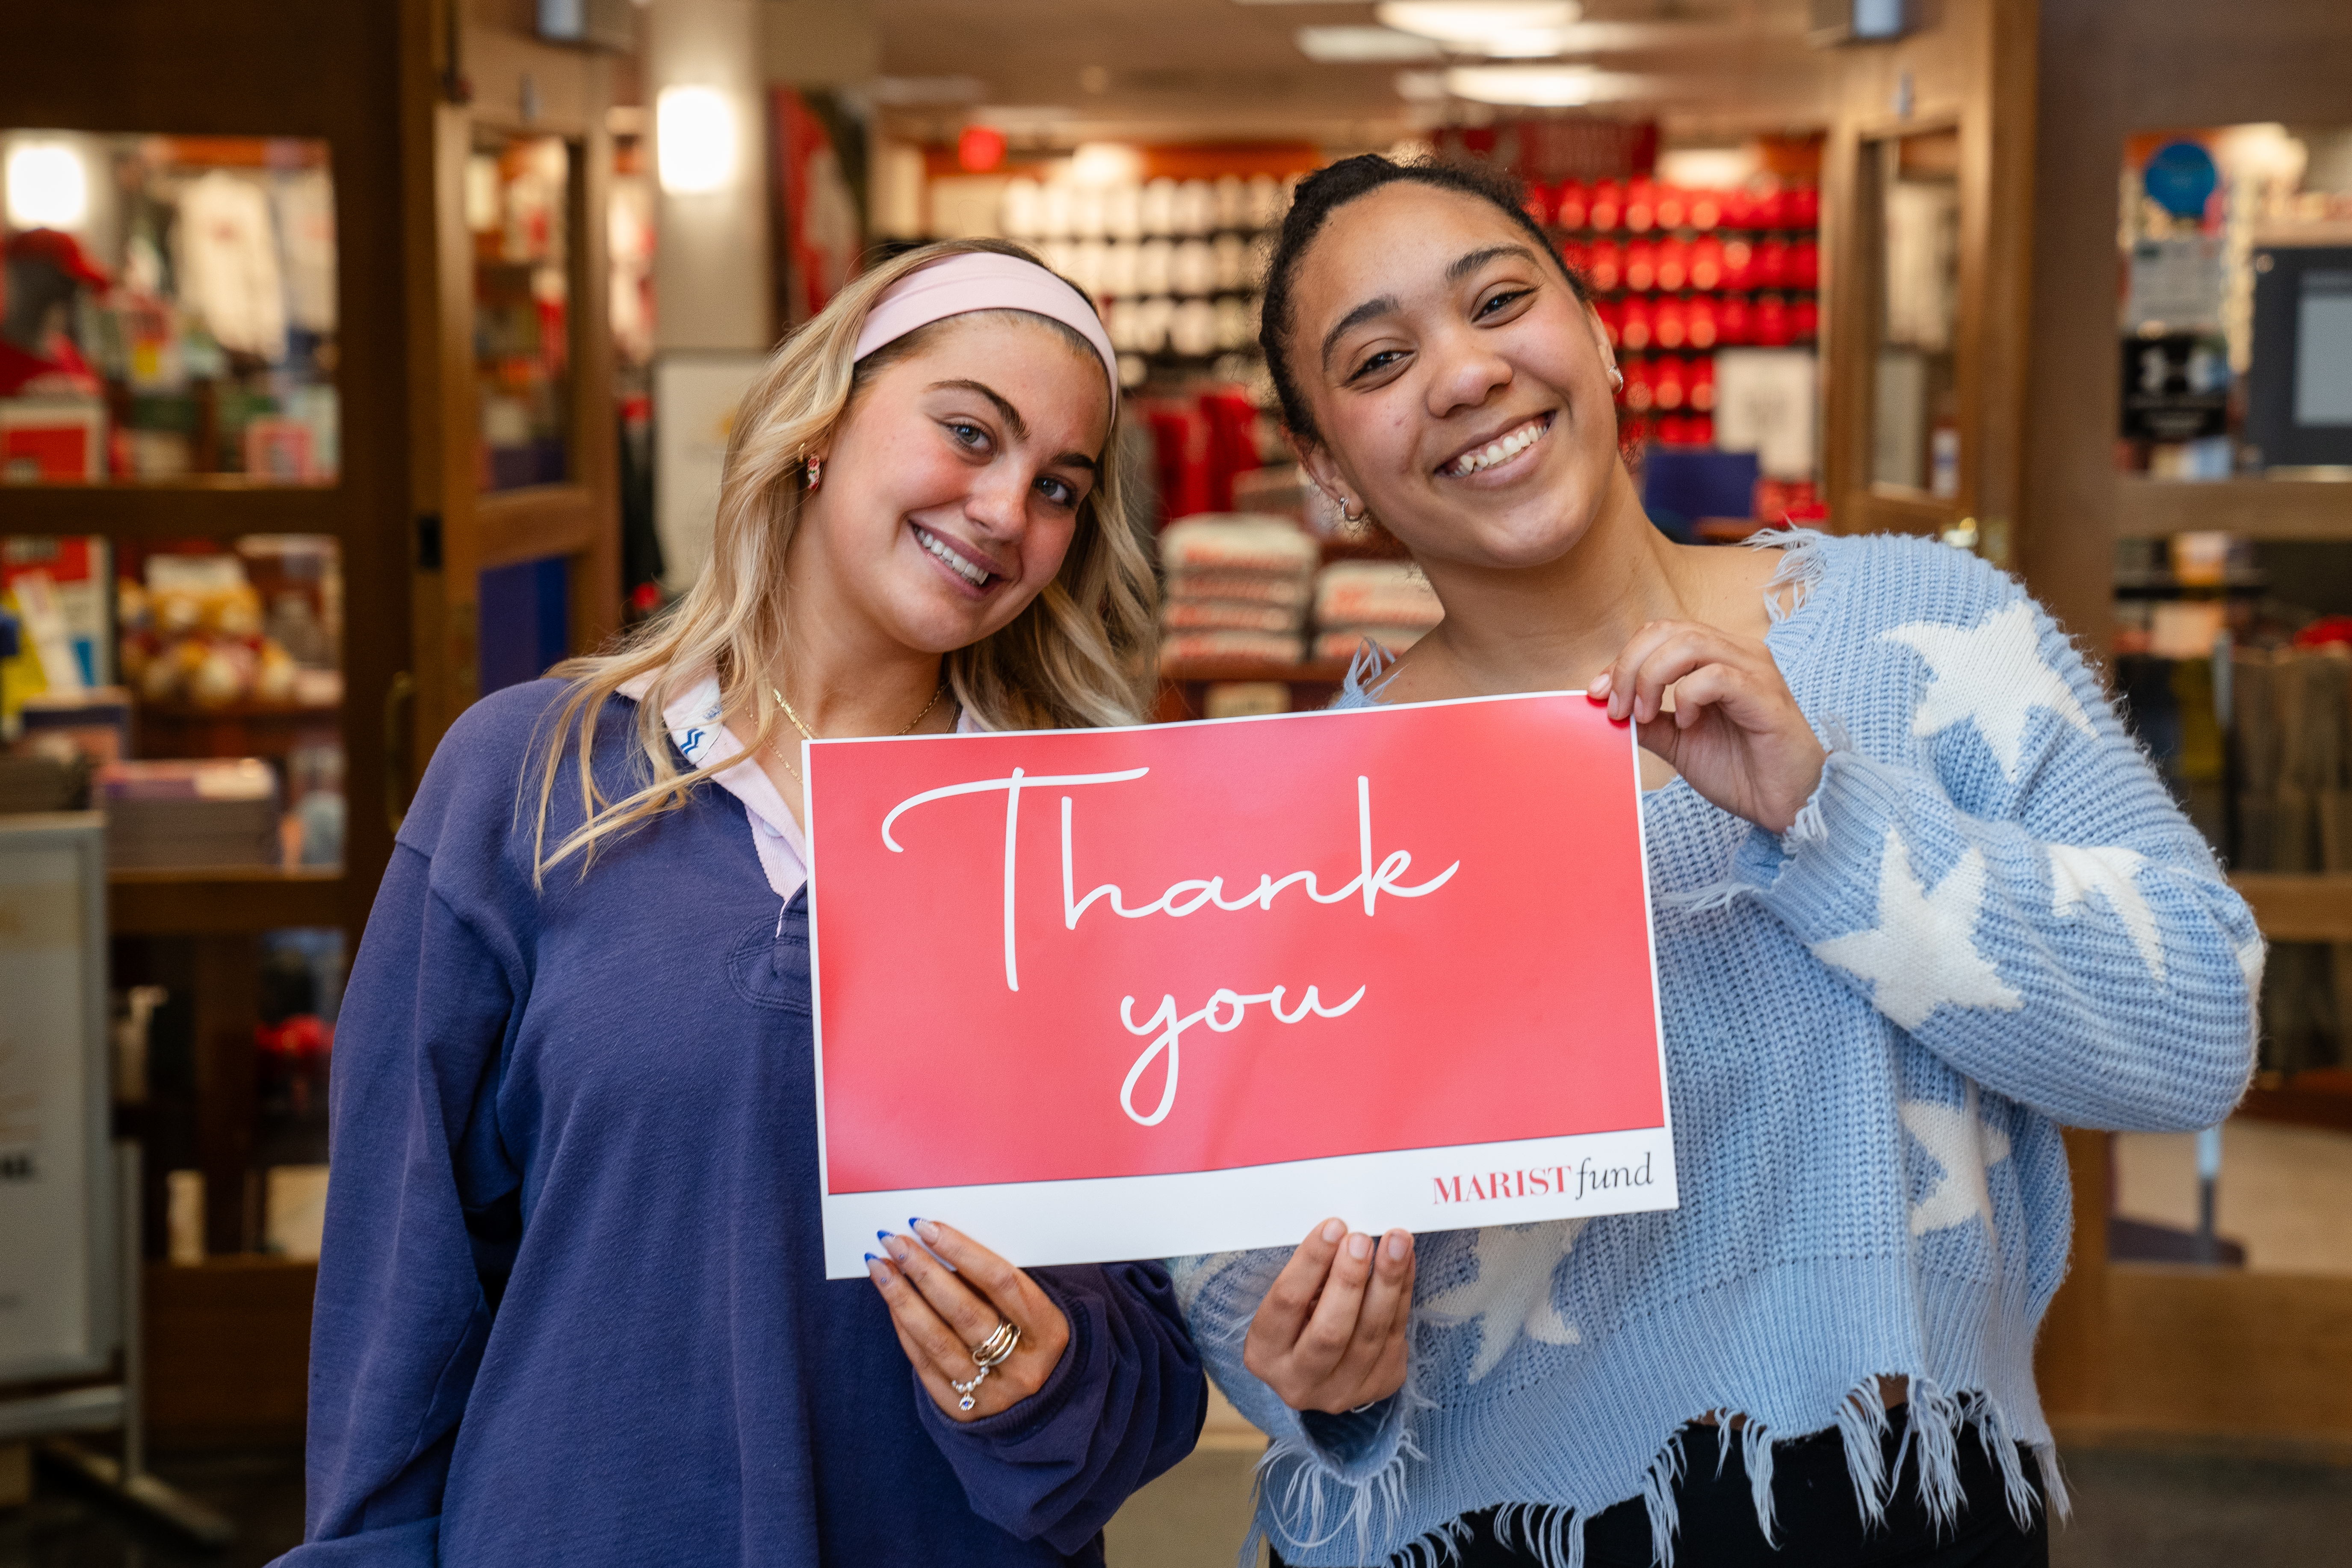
pixel 1106 993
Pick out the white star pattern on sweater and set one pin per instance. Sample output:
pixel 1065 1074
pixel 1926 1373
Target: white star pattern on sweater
pixel 1993 676
pixel 2076 870
pixel 1512 1294
pixel 1965 1146
pixel 1922 955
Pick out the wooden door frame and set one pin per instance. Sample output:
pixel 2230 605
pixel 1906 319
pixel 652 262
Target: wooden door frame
pixel 517 86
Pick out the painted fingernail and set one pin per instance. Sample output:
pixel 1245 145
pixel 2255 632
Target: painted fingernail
pixel 882 1236
pixel 927 1229
pixel 875 1269
pixel 1360 1246
pixel 897 1248
pixel 1399 1244
pixel 1333 1230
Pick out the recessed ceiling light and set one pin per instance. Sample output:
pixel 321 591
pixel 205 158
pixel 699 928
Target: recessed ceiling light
pixel 1345 46
pixel 1546 87
pixel 1470 24
pixel 1421 87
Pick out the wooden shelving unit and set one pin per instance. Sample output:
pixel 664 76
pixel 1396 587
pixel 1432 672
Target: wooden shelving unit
pixel 1312 683
pixel 229 900
pixel 2259 509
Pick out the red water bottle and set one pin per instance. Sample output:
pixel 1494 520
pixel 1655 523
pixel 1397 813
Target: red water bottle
pixel 1568 204
pixel 1641 266
pixel 1634 324
pixel 1699 322
pixel 1607 206
pixel 1641 205
pixel 1674 265
pixel 1667 324
pixel 1707 263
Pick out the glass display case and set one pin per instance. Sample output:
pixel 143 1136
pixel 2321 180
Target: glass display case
pixel 169 309
pixel 519 202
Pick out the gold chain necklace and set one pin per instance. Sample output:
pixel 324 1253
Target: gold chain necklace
pixel 783 702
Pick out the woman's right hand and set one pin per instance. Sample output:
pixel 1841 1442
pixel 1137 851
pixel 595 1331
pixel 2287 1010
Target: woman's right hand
pixel 1331 1334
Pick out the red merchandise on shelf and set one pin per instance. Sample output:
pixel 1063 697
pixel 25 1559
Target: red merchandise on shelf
pixel 1610 317
pixel 1773 328
pixel 1698 322
pixel 1700 428
pixel 1805 320
pixel 1705 209
pixel 1232 443
pixel 1604 266
pixel 1666 387
pixel 1667 323
pixel 1805 264
pixel 1673 206
pixel 1731 326
pixel 1771 270
pixel 1674 265
pixel 1772 206
pixel 1569 205
pixel 1640 266
pixel 1701 391
pixel 1641 395
pixel 1804 206
pixel 1707 263
pixel 1574 252
pixel 1739 263
pixel 1739 209
pixel 1606 207
pixel 1641 206
pixel 1634 324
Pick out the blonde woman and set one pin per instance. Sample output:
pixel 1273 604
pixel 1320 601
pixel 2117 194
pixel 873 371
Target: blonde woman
pixel 570 1308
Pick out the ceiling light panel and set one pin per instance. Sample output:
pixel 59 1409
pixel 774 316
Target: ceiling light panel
pixel 1469 25
pixel 1542 87
pixel 1356 45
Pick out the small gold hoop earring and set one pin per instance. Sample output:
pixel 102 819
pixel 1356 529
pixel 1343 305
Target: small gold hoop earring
pixel 815 473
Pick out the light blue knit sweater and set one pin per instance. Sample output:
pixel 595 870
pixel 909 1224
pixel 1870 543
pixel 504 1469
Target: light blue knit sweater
pixel 1990 920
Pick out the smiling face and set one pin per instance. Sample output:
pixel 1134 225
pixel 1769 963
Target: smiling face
pixel 1459 386
pixel 953 485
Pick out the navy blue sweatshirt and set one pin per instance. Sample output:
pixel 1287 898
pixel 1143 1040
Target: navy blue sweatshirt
pixel 572 1308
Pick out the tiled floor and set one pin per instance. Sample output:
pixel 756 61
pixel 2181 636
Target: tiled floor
pixel 2133 1509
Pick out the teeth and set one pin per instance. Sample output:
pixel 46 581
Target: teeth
pixel 962 568
pixel 1495 452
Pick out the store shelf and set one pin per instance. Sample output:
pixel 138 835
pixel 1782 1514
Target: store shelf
pixel 2321 1098
pixel 2292 907
pixel 2259 509
pixel 230 900
pixel 218 506
pixel 239 729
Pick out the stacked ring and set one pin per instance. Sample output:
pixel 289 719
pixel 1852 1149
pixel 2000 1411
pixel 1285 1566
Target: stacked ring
pixel 988 1355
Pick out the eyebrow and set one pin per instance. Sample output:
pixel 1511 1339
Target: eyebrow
pixel 1461 267
pixel 1012 420
pixel 1011 415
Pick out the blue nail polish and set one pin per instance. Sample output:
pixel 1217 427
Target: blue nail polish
pixel 871 1258
pixel 911 1224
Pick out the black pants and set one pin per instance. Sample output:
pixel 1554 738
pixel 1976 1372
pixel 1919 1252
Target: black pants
pixel 1818 1524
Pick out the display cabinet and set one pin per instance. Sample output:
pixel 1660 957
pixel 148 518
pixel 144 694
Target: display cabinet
pixel 304 384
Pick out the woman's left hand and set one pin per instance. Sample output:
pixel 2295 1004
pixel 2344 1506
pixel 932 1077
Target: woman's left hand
pixel 942 1315
pixel 1735 731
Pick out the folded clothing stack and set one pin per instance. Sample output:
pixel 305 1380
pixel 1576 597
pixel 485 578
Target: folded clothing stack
pixel 181 814
pixel 1238 586
pixel 1386 602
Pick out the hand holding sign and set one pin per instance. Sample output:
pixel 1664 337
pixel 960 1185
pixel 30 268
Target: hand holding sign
pixel 1735 733
pixel 940 1317
pixel 1331 1334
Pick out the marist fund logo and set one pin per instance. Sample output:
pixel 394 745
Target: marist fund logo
pixel 1571 1182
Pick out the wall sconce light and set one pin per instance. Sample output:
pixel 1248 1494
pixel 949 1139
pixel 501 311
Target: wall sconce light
pixel 695 140
pixel 47 186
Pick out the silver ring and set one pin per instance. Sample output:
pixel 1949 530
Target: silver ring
pixel 988 1355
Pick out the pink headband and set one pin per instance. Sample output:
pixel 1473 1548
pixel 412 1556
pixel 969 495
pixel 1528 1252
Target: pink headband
pixel 984 281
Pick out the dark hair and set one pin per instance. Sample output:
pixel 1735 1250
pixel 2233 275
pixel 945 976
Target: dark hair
pixel 1326 190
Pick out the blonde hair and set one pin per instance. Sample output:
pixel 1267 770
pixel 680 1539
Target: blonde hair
pixel 1079 653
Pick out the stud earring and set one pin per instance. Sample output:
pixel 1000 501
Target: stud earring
pixel 815 473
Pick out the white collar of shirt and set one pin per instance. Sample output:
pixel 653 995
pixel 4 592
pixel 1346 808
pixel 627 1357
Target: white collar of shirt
pixel 693 723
